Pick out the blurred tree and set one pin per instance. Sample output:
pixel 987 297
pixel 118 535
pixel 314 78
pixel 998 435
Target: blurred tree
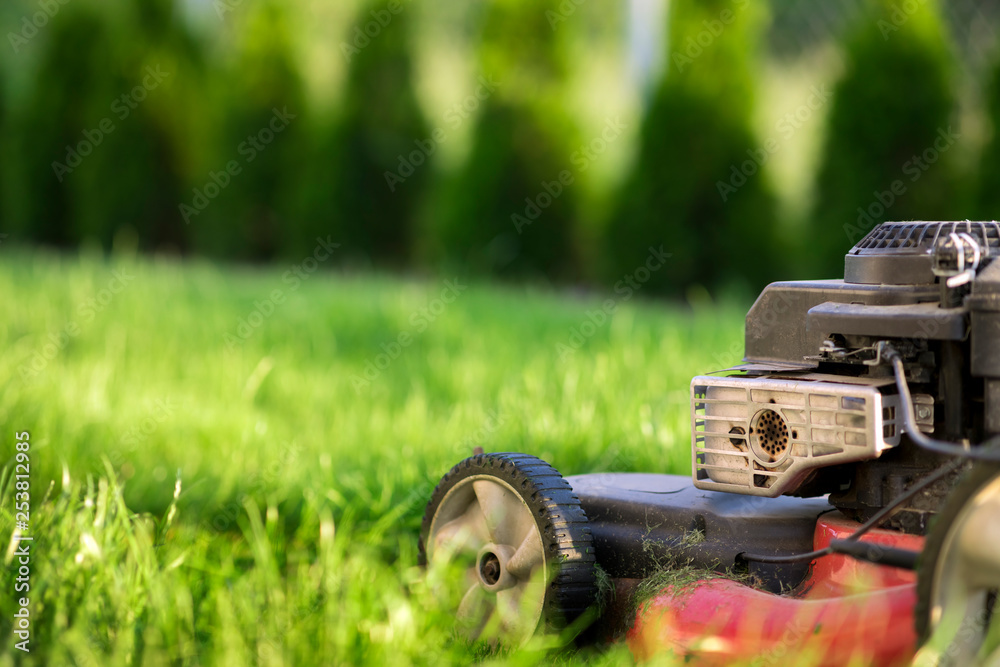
pixel 235 206
pixel 138 178
pixel 370 172
pixel 70 95
pixel 97 142
pixel 987 196
pixel 797 26
pixel 699 185
pixel 888 129
pixel 5 157
pixel 512 207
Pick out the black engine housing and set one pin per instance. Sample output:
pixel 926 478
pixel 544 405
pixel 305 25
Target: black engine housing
pixel 931 290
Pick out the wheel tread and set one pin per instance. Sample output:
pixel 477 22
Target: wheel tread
pixel 562 522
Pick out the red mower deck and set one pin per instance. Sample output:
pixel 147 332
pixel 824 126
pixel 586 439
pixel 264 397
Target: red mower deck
pixel 845 610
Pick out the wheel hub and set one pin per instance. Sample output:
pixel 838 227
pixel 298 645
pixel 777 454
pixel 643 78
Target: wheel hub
pixel 493 573
pixel 485 519
pixel 489 569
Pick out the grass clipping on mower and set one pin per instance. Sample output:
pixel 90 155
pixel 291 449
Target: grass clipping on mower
pixel 674 577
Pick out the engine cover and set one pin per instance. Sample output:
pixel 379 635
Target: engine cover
pixel 762 436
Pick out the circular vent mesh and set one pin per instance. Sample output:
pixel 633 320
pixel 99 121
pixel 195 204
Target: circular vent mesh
pixel 769 436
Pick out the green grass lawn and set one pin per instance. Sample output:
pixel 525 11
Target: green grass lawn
pixel 303 471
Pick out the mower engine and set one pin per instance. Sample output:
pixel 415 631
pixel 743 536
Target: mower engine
pixel 815 409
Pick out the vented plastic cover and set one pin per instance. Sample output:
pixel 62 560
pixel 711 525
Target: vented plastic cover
pixel 762 436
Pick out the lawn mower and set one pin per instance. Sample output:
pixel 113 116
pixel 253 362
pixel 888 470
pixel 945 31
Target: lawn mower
pixel 844 501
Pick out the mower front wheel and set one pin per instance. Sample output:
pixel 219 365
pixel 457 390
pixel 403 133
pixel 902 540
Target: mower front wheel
pixel 521 537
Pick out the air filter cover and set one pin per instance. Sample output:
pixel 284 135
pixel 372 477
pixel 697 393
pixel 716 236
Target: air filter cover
pixel 762 436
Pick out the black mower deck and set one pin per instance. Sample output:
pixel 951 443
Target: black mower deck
pixel 644 523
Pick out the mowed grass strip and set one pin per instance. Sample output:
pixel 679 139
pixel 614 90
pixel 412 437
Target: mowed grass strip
pixel 306 432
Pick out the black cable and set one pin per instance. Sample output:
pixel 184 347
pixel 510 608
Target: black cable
pixel 782 560
pixel 983 452
pixel 878 554
pixel 987 451
pixel 876 519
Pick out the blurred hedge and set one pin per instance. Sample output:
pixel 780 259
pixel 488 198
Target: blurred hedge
pixel 231 152
pixel 376 157
pixel 987 188
pixel 72 93
pixel 257 140
pixel 5 152
pixel 700 186
pixel 890 135
pixel 506 211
